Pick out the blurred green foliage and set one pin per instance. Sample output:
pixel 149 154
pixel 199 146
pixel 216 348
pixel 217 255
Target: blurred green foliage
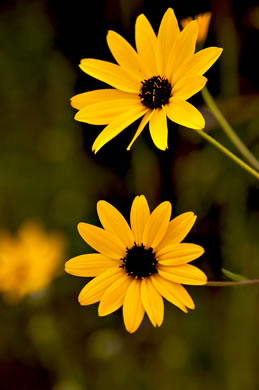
pixel 48 341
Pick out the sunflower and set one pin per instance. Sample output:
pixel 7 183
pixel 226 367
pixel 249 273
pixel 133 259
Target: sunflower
pixel 29 260
pixel 152 82
pixel 139 265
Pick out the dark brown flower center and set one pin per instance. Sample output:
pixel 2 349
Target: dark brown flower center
pixel 139 262
pixel 155 92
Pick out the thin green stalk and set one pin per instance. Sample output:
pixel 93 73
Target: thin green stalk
pixel 228 153
pixel 234 283
pixel 228 129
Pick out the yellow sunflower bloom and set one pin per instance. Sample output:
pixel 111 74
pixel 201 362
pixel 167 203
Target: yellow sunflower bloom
pixel 203 23
pixel 152 82
pixel 139 265
pixel 28 261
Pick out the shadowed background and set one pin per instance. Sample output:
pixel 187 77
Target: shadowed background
pixel 48 173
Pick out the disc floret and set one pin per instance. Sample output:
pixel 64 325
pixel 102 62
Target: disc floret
pixel 139 261
pixel 155 92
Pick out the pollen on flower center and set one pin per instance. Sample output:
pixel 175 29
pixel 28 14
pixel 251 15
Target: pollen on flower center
pixel 139 262
pixel 155 92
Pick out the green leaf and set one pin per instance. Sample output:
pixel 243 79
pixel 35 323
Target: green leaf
pixel 232 276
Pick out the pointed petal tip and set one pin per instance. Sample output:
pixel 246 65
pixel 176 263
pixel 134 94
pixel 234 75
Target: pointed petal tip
pixel 80 299
pixel 81 303
pixel 94 149
pixel 220 50
pixel 101 312
pixel 203 279
pixel 100 203
pixel 190 307
pixel 193 25
pixel 141 198
pixel 202 250
pixel 141 16
pixel 110 34
pixel 189 214
pixel 198 126
pixel 80 225
pixel 162 149
pixel 130 330
pixel 77 116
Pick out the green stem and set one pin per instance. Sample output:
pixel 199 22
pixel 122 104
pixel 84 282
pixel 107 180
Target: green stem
pixel 235 283
pixel 228 129
pixel 228 153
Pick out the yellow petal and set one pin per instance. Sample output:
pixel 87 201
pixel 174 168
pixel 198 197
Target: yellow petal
pixel 117 125
pixel 139 216
pixel 125 55
pixel 184 22
pixel 188 86
pixel 178 254
pixel 146 43
pixel 113 221
pixel 102 241
pixel 182 49
pixel 89 265
pixel 167 34
pixel 113 297
pixel 95 289
pixel 100 95
pixel 199 63
pixel 185 114
pixel 204 22
pixel 133 309
pixel 178 229
pixel 158 128
pixel 103 113
pixel 142 124
pixel 157 224
pixel 166 289
pixel 184 274
pixel 152 302
pixel 183 295
pixel 111 74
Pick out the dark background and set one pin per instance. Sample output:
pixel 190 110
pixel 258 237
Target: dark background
pixel 48 172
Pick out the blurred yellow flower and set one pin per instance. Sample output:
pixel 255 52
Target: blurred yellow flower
pixel 152 82
pixel 203 23
pixel 139 265
pixel 29 261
